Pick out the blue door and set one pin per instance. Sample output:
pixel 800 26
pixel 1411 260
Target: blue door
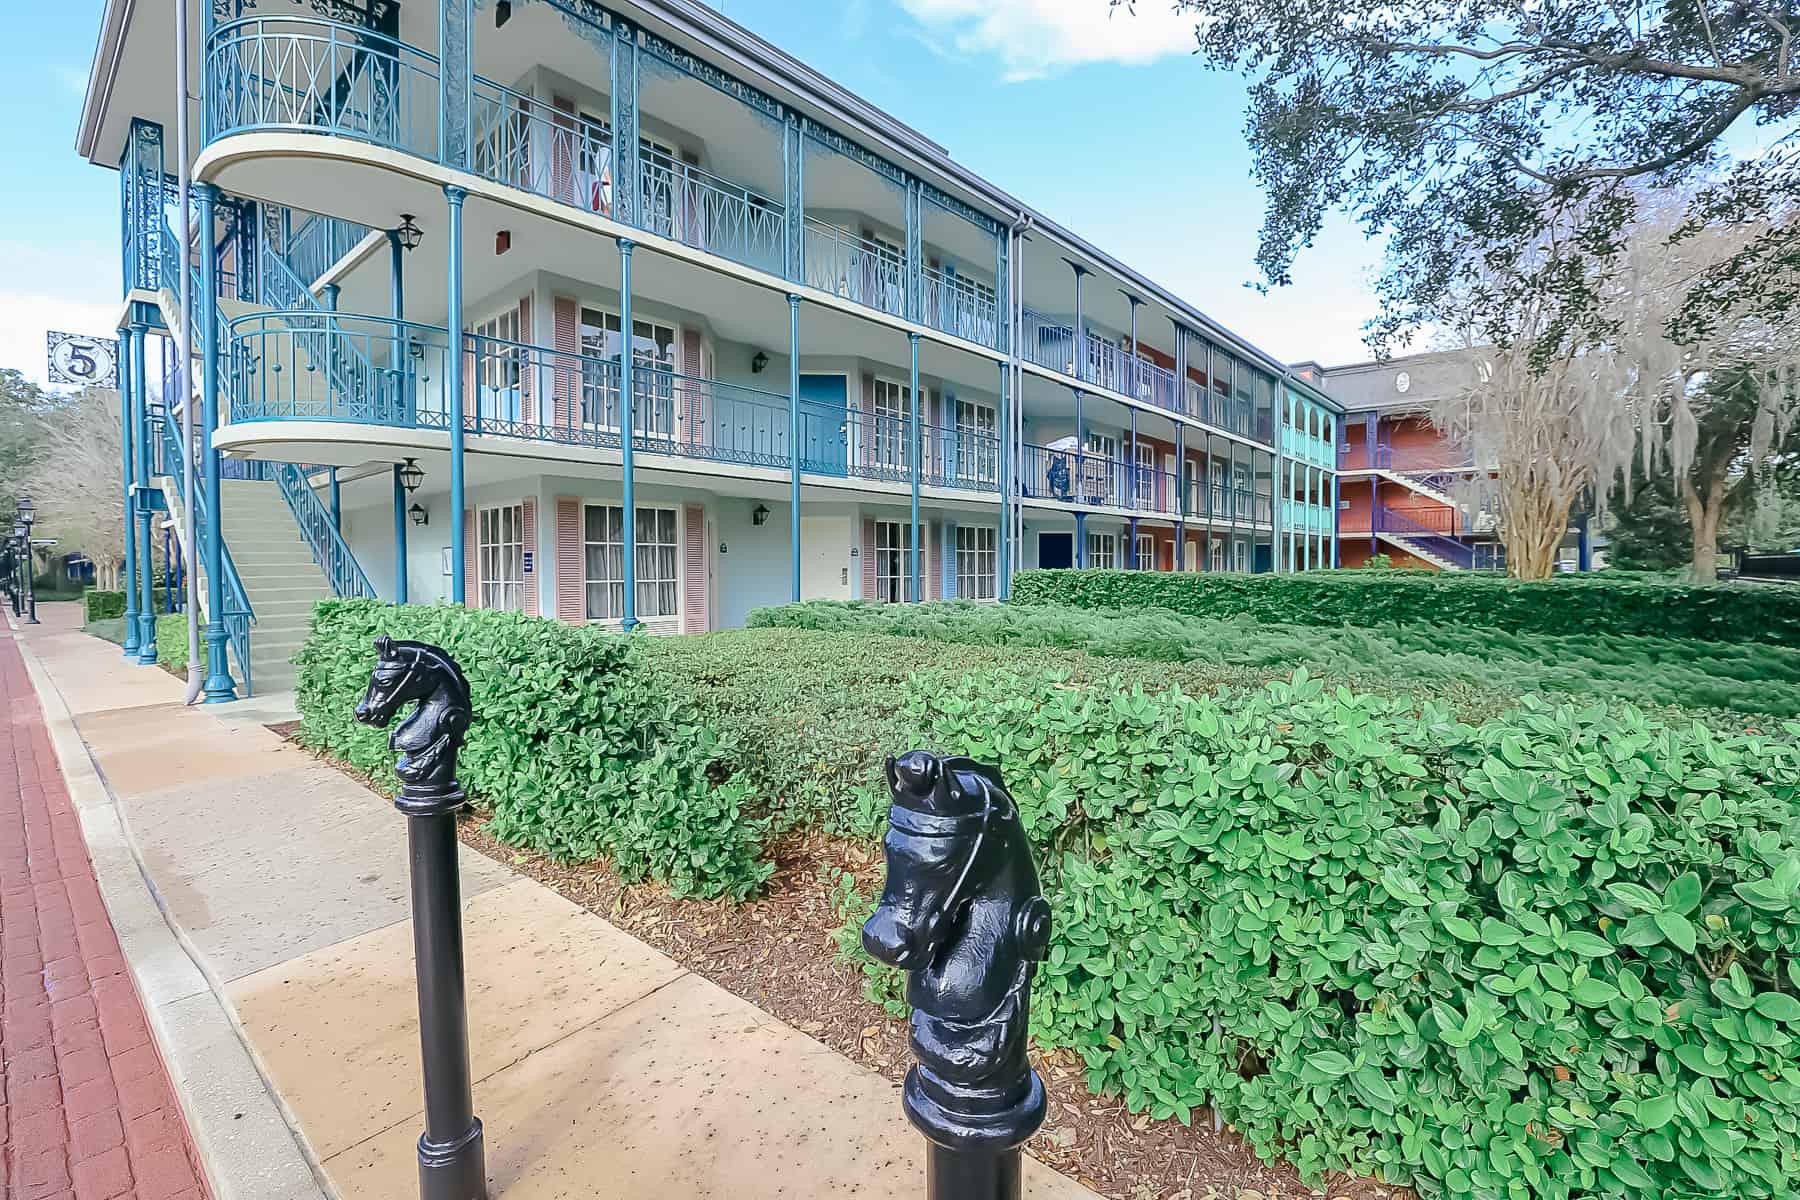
pixel 823 403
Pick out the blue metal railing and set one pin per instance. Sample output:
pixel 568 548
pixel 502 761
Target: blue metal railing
pixel 678 200
pixel 306 73
pixel 1434 529
pixel 321 534
pixel 959 306
pixel 237 615
pixel 861 271
pixel 317 246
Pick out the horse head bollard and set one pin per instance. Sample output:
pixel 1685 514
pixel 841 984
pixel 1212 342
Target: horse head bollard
pixel 962 915
pixel 451 1155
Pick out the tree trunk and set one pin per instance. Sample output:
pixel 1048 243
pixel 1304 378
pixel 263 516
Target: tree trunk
pixel 1704 515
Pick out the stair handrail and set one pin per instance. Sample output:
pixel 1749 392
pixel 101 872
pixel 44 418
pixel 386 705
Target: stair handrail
pixel 238 615
pixel 321 534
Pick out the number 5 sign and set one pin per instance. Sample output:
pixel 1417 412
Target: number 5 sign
pixel 84 361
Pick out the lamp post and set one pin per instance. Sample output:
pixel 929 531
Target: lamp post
pixel 27 518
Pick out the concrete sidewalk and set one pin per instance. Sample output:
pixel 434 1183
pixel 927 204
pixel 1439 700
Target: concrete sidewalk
pixel 602 1066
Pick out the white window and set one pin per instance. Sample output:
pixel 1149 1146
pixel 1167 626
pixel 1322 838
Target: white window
pixel 1216 560
pixel 499 365
pixel 889 424
pixel 893 561
pixel 1242 555
pixel 1103 551
pixel 975 558
pixel 1099 470
pixel 977 442
pixel 1145 489
pixel 653 383
pixel 658 561
pixel 1146 552
pixel 500 556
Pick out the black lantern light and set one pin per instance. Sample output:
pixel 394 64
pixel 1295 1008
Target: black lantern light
pixel 759 515
pixel 759 363
pixel 27 511
pixel 409 234
pixel 411 476
pixel 418 514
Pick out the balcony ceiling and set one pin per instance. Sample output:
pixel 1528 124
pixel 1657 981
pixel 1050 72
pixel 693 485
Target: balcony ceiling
pixel 133 76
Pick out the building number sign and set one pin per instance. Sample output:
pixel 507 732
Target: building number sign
pixel 83 361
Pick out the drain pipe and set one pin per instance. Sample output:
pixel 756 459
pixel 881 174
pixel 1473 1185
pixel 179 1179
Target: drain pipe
pixel 184 360
pixel 1015 531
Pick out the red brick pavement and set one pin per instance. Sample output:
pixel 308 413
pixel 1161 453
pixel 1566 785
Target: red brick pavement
pixel 86 1108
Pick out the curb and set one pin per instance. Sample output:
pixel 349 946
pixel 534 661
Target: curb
pixel 246 1147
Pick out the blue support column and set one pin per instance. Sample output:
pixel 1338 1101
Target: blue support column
pixel 399 537
pixel 397 343
pixel 128 476
pixel 1334 521
pixel 627 150
pixel 1585 543
pixel 1080 541
pixel 1003 585
pixel 915 255
pixel 913 446
pixel 455 81
pixel 794 446
pixel 219 688
pixel 453 393
pixel 337 502
pixel 141 469
pixel 1131 532
pixel 627 430
pixel 793 190
pixel 1002 294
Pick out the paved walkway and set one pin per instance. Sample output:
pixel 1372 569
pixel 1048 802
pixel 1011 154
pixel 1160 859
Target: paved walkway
pixel 601 1066
pixel 86 1109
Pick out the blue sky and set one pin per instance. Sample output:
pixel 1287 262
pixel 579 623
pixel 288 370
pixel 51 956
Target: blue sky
pixel 1105 122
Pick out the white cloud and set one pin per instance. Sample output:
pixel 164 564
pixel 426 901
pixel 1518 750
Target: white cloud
pixel 26 316
pixel 1035 38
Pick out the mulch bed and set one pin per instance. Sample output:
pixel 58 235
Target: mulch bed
pixel 776 951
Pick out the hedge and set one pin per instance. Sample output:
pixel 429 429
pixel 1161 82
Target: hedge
pixel 1719 677
pixel 811 714
pixel 574 747
pixel 172 644
pixel 1548 956
pixel 1566 605
pixel 102 606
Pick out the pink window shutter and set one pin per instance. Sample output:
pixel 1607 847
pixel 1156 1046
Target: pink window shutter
pixel 571 579
pixel 934 573
pixel 693 567
pixel 568 367
pixel 694 413
pixel 868 559
pixel 528 537
pixel 562 151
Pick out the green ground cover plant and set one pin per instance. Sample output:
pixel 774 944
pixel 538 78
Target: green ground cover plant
pixel 811 713
pixel 1719 677
pixel 1550 955
pixel 574 748
pixel 1607 602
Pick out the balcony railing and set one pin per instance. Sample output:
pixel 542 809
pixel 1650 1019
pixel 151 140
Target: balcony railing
pixel 678 200
pixel 959 306
pixel 861 271
pixel 322 76
pixel 319 244
pixel 1407 460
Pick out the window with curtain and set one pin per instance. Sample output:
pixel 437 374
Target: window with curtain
pixel 500 557
pixel 658 562
pixel 1146 552
pixel 1103 551
pixel 976 555
pixel 653 388
pixel 499 366
pixel 893 561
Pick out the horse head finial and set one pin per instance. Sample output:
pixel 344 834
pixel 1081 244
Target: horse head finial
pixel 431 738
pixel 962 914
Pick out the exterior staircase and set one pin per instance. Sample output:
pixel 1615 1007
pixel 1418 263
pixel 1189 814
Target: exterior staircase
pixel 280 577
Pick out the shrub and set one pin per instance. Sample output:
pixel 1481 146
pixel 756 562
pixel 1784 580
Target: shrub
pixel 1730 677
pixel 811 714
pixel 172 644
pixel 574 747
pixel 1604 603
pixel 1547 956
pixel 102 606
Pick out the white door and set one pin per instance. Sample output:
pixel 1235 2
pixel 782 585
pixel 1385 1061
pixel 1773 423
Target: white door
pixel 825 557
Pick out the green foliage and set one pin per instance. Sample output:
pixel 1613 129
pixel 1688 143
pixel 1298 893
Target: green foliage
pixel 1549 956
pixel 574 747
pixel 1379 562
pixel 172 644
pixel 883 986
pixel 1573 604
pixel 1725 676
pixel 99 606
pixel 1649 530
pixel 812 713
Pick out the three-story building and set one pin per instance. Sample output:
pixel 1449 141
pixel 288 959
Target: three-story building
pixel 619 313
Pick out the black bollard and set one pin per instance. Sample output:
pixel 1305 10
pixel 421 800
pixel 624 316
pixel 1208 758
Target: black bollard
pixel 962 915
pixel 452 1162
